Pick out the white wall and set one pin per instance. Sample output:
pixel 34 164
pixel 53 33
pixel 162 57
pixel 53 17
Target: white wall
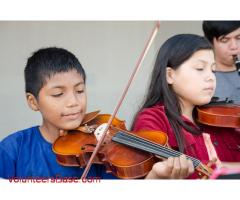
pixel 107 50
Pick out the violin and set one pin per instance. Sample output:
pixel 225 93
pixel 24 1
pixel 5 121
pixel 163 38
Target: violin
pixel 220 114
pixel 125 154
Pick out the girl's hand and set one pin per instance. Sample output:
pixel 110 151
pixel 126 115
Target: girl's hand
pixel 172 168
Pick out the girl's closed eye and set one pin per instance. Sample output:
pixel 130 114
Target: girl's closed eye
pixel 199 68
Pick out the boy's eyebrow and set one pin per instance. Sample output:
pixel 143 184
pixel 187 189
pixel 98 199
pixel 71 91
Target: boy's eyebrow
pixel 80 83
pixel 225 36
pixel 61 86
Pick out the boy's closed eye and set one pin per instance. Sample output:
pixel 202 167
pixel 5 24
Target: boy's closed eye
pixel 80 91
pixel 223 39
pixel 57 95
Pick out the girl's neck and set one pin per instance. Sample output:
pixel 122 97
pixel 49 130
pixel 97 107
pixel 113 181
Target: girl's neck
pixel 187 111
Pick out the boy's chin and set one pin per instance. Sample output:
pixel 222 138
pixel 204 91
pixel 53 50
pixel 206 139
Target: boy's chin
pixel 70 126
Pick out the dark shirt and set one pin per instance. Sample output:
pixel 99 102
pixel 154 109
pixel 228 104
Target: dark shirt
pixel 228 86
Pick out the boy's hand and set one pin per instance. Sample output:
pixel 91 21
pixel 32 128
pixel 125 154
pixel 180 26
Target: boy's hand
pixel 62 133
pixel 172 168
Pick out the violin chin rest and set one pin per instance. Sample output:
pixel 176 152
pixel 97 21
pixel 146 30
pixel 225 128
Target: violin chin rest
pixel 90 116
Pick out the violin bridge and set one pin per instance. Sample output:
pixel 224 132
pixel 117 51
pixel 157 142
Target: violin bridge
pixel 87 129
pixel 100 130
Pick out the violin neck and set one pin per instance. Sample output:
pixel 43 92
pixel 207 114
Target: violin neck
pixel 148 146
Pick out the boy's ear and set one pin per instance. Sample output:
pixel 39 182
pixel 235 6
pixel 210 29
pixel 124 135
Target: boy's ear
pixel 169 75
pixel 32 101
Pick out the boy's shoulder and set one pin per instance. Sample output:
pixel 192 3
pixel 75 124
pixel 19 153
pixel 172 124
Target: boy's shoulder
pixel 20 134
pixel 16 139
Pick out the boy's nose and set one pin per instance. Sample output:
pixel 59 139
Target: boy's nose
pixel 72 101
pixel 234 44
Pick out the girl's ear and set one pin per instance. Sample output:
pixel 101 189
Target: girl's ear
pixel 169 75
pixel 32 101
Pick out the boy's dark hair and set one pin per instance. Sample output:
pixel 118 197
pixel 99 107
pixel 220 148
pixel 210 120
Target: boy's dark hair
pixel 175 51
pixel 216 29
pixel 46 62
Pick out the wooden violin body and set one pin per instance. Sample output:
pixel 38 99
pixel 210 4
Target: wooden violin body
pixel 125 154
pixel 75 148
pixel 220 115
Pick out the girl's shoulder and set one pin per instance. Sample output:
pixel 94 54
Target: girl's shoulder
pixel 153 118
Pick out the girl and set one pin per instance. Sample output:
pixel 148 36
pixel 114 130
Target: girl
pixel 183 78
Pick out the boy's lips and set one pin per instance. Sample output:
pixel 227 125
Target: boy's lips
pixel 73 115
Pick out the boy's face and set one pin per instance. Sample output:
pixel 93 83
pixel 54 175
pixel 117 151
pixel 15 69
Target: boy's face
pixel 62 100
pixel 226 46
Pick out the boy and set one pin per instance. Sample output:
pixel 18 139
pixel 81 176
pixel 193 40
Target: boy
pixel 55 86
pixel 225 38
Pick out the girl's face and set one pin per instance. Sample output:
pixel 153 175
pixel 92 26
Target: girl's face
pixel 194 81
pixel 62 101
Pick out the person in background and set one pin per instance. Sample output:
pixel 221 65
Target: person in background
pixel 225 38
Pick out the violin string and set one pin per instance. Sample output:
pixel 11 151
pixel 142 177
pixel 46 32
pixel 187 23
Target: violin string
pixel 166 149
pixel 146 148
pixel 152 148
pixel 149 146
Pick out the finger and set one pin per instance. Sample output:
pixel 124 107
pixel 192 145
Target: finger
pixel 176 168
pixel 62 132
pixel 191 168
pixel 184 166
pixel 212 162
pixel 170 165
pixel 159 170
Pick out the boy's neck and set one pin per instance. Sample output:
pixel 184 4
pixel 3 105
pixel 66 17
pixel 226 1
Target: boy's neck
pixel 50 134
pixel 225 68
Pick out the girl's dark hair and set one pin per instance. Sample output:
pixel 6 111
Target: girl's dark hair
pixel 216 29
pixel 46 62
pixel 173 53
